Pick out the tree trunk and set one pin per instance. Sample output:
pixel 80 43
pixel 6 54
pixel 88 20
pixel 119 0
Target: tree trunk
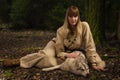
pixel 92 14
pixel 118 32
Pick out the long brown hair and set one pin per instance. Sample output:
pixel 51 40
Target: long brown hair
pixel 72 11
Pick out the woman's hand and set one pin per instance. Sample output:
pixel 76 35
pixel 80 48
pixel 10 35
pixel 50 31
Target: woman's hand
pixel 98 68
pixel 71 55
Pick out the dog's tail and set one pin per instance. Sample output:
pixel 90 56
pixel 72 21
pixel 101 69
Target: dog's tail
pixel 51 68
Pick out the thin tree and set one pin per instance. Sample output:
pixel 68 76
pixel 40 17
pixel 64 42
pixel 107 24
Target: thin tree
pixel 92 9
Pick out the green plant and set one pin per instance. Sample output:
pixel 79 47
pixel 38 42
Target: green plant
pixel 8 73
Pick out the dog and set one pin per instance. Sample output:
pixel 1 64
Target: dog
pixel 76 65
pixel 46 59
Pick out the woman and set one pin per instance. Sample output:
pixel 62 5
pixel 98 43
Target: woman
pixel 74 35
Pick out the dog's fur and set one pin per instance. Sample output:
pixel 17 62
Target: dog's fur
pixel 46 58
pixel 75 65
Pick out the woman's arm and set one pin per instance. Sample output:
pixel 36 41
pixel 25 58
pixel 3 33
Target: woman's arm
pixel 59 46
pixel 90 48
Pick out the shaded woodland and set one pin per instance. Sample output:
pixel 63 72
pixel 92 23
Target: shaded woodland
pixel 102 15
pixel 27 25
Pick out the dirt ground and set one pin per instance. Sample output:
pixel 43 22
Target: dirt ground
pixel 15 44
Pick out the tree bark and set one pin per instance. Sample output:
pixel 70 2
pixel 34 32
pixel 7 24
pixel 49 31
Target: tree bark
pixel 118 32
pixel 92 15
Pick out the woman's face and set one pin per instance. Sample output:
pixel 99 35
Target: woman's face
pixel 72 20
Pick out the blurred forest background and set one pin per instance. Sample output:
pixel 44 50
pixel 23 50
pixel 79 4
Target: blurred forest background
pixel 102 15
pixel 27 25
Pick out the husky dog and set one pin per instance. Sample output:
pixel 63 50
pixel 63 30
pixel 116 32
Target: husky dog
pixel 76 65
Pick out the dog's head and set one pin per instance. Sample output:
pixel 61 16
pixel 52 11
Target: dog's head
pixel 80 66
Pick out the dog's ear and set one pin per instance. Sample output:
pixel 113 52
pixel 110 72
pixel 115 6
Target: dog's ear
pixel 80 57
pixel 76 63
pixel 86 61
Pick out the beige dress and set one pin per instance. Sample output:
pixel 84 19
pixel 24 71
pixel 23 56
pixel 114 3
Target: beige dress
pixel 62 44
pixel 84 41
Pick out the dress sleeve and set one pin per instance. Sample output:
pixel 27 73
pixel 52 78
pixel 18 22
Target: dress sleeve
pixel 59 46
pixel 89 44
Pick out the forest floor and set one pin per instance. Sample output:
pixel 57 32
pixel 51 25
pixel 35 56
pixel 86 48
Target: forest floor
pixel 15 44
